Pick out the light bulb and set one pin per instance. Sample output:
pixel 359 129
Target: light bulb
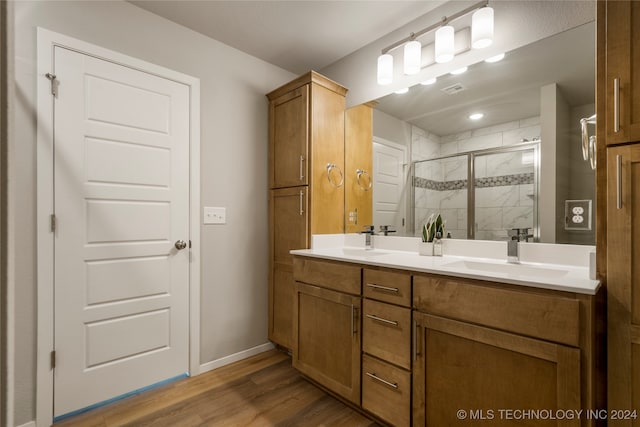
pixel 385 69
pixel 459 71
pixel 482 28
pixel 412 57
pixel 445 38
pixel 402 91
pixel 428 82
pixel 495 58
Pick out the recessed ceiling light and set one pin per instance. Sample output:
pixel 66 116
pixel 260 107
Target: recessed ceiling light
pixel 476 116
pixel 459 71
pixel 495 58
pixel 402 91
pixel 428 82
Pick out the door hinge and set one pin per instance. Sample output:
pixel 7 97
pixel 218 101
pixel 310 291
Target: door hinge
pixel 189 244
pixel 53 222
pixel 54 83
pixel 53 359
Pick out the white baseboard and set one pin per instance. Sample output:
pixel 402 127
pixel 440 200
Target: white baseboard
pixel 29 424
pixel 205 367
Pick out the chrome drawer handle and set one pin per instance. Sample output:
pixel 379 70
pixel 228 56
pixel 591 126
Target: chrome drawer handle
pixel 619 181
pixel 301 168
pixel 380 319
pixel 616 105
pixel 385 382
pixel 382 288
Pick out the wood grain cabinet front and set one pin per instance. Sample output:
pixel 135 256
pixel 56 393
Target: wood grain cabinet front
pixel 621 112
pixel 623 280
pixel 387 285
pixel 387 332
pixel 306 163
pixel 465 374
pixel 386 391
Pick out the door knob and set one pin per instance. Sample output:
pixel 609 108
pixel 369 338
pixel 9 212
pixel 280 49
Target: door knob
pixel 180 244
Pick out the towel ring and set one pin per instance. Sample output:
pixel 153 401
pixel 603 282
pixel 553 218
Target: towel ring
pixel 359 173
pixel 585 135
pixel 330 167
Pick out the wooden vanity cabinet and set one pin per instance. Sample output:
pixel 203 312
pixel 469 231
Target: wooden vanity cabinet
pixel 327 325
pixel 306 134
pixel 623 280
pixel 481 346
pixel 622 86
pixel 386 345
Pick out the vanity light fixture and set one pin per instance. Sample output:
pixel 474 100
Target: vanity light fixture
pixel 444 45
pixel 459 71
pixel 385 69
pixel 429 82
pixel 482 28
pixel 476 116
pixel 402 91
pixel 495 58
pixel 412 57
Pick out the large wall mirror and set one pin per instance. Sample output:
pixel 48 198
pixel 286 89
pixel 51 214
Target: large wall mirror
pixel 519 165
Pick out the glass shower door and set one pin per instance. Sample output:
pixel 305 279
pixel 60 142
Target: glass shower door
pixel 505 186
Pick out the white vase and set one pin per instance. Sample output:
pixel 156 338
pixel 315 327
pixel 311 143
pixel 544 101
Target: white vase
pixel 425 248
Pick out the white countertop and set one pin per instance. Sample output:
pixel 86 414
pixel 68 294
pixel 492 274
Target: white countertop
pixel 560 277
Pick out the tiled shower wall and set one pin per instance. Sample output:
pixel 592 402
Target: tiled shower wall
pixel 504 182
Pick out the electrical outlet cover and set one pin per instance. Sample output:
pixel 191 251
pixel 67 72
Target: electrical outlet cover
pixel 577 215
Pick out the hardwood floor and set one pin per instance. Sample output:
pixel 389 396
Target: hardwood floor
pixel 263 390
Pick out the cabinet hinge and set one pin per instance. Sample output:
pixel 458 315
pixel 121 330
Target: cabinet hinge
pixel 54 83
pixel 53 359
pixel 53 222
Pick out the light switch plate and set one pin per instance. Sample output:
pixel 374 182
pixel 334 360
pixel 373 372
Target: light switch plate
pixel 577 214
pixel 215 215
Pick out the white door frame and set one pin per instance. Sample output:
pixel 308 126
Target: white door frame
pixel 47 40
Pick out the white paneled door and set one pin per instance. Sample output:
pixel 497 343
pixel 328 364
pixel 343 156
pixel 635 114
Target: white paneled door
pixel 121 172
pixel 389 196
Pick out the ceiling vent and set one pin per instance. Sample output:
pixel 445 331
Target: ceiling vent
pixel 453 89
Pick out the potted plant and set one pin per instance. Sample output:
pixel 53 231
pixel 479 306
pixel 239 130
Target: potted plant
pixel 433 226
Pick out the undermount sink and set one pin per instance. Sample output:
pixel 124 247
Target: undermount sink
pixel 510 269
pixel 362 252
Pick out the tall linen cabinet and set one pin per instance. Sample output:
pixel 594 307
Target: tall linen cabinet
pixel 306 180
pixel 618 89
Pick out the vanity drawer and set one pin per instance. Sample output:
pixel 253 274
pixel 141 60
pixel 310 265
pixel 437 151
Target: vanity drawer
pixel 386 332
pixel 388 286
pixel 536 314
pixel 386 391
pixel 335 275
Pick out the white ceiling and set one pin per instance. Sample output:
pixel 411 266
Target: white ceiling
pixel 297 35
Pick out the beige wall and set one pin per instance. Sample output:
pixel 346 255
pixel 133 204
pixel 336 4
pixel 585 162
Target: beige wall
pixel 234 139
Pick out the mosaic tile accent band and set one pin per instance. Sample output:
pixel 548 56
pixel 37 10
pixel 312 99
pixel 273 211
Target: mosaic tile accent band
pixel 492 181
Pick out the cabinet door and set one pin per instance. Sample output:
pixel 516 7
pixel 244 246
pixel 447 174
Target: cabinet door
pixel 289 138
pixel 623 277
pixel 460 366
pixel 289 230
pixel 327 339
pixel 623 79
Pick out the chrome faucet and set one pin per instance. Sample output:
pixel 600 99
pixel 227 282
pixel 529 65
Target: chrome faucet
pixel 386 229
pixel 516 235
pixel 369 230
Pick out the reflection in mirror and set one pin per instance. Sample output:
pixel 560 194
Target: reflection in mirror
pixel 536 93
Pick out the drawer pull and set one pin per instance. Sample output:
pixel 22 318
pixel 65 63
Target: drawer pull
pixel 385 382
pixel 619 181
pixel 616 105
pixel 380 319
pixel 382 288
